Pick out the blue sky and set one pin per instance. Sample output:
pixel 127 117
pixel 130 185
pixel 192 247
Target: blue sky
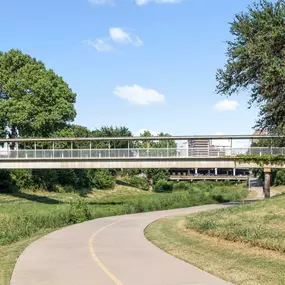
pixel 136 63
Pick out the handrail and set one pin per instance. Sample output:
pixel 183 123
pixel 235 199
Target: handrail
pixel 136 153
pixel 138 138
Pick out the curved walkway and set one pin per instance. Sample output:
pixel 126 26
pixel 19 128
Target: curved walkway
pixel 107 251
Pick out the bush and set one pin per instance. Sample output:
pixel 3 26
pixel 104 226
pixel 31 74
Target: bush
pixel 139 182
pixel 222 194
pixel 182 185
pixel 103 179
pixel 7 185
pixel 22 178
pixel 280 178
pixel 163 186
pixel 78 212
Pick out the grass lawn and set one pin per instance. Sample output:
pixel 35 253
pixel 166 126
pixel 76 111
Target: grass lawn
pixel 243 245
pixel 16 222
pixel 276 190
pixel 26 216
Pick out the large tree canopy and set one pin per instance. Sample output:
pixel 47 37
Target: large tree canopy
pixel 110 131
pixel 34 101
pixel 156 144
pixel 256 61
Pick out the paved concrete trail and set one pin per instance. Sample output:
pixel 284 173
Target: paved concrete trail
pixel 108 251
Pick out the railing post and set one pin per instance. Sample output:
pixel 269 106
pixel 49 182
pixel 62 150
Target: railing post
pixel 167 153
pixel 109 149
pixel 90 153
pixel 35 150
pixel 128 149
pixel 52 149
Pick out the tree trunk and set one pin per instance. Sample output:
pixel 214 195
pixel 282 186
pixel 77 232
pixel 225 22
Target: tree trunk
pixel 267 183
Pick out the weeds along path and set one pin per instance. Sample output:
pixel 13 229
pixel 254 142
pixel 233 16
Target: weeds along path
pixel 107 251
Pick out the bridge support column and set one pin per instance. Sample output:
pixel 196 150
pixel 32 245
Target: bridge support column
pixel 196 171
pixel 234 172
pixel 216 171
pixel 267 182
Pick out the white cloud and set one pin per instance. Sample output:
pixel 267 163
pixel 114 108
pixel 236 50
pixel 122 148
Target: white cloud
pixel 100 45
pixel 226 105
pixel 144 2
pixel 119 35
pixel 139 95
pixel 116 36
pixel 101 2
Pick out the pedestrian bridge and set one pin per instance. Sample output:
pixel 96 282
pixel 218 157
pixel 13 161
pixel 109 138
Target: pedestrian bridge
pixel 127 152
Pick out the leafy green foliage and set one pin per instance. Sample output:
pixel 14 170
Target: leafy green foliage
pixel 279 178
pixel 256 60
pixel 78 212
pixel 156 144
pixel 103 179
pixel 156 174
pixel 181 185
pixel 262 160
pixel 6 183
pixel 139 182
pixel 30 214
pixel 111 131
pixel 34 101
pixel 22 178
pixel 163 186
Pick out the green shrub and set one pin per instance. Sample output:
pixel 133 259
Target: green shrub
pixel 156 174
pixel 22 178
pixel 223 194
pixel 7 185
pixel 139 182
pixel 78 212
pixel 64 189
pixel 182 185
pixel 280 178
pixel 103 179
pixel 163 186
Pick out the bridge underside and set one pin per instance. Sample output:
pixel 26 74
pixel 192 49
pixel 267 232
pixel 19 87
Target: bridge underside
pixel 208 178
pixel 125 163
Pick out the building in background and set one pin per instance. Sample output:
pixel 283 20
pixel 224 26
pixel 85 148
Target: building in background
pixel 204 147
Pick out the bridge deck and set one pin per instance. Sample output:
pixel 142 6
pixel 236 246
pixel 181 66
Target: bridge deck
pixel 130 158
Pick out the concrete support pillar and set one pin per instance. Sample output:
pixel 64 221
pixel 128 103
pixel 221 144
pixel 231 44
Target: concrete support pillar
pixel 188 172
pixel 234 172
pixel 196 171
pixel 209 171
pixel 267 182
pixel 216 171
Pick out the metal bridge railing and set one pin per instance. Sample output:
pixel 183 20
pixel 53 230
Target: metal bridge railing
pixel 135 153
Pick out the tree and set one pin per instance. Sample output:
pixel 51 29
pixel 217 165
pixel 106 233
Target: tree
pixel 157 144
pixel 73 131
pixel 256 61
pixel 34 101
pixel 102 179
pixel 111 131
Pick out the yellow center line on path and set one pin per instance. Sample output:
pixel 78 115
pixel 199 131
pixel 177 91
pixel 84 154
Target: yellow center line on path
pixel 98 261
